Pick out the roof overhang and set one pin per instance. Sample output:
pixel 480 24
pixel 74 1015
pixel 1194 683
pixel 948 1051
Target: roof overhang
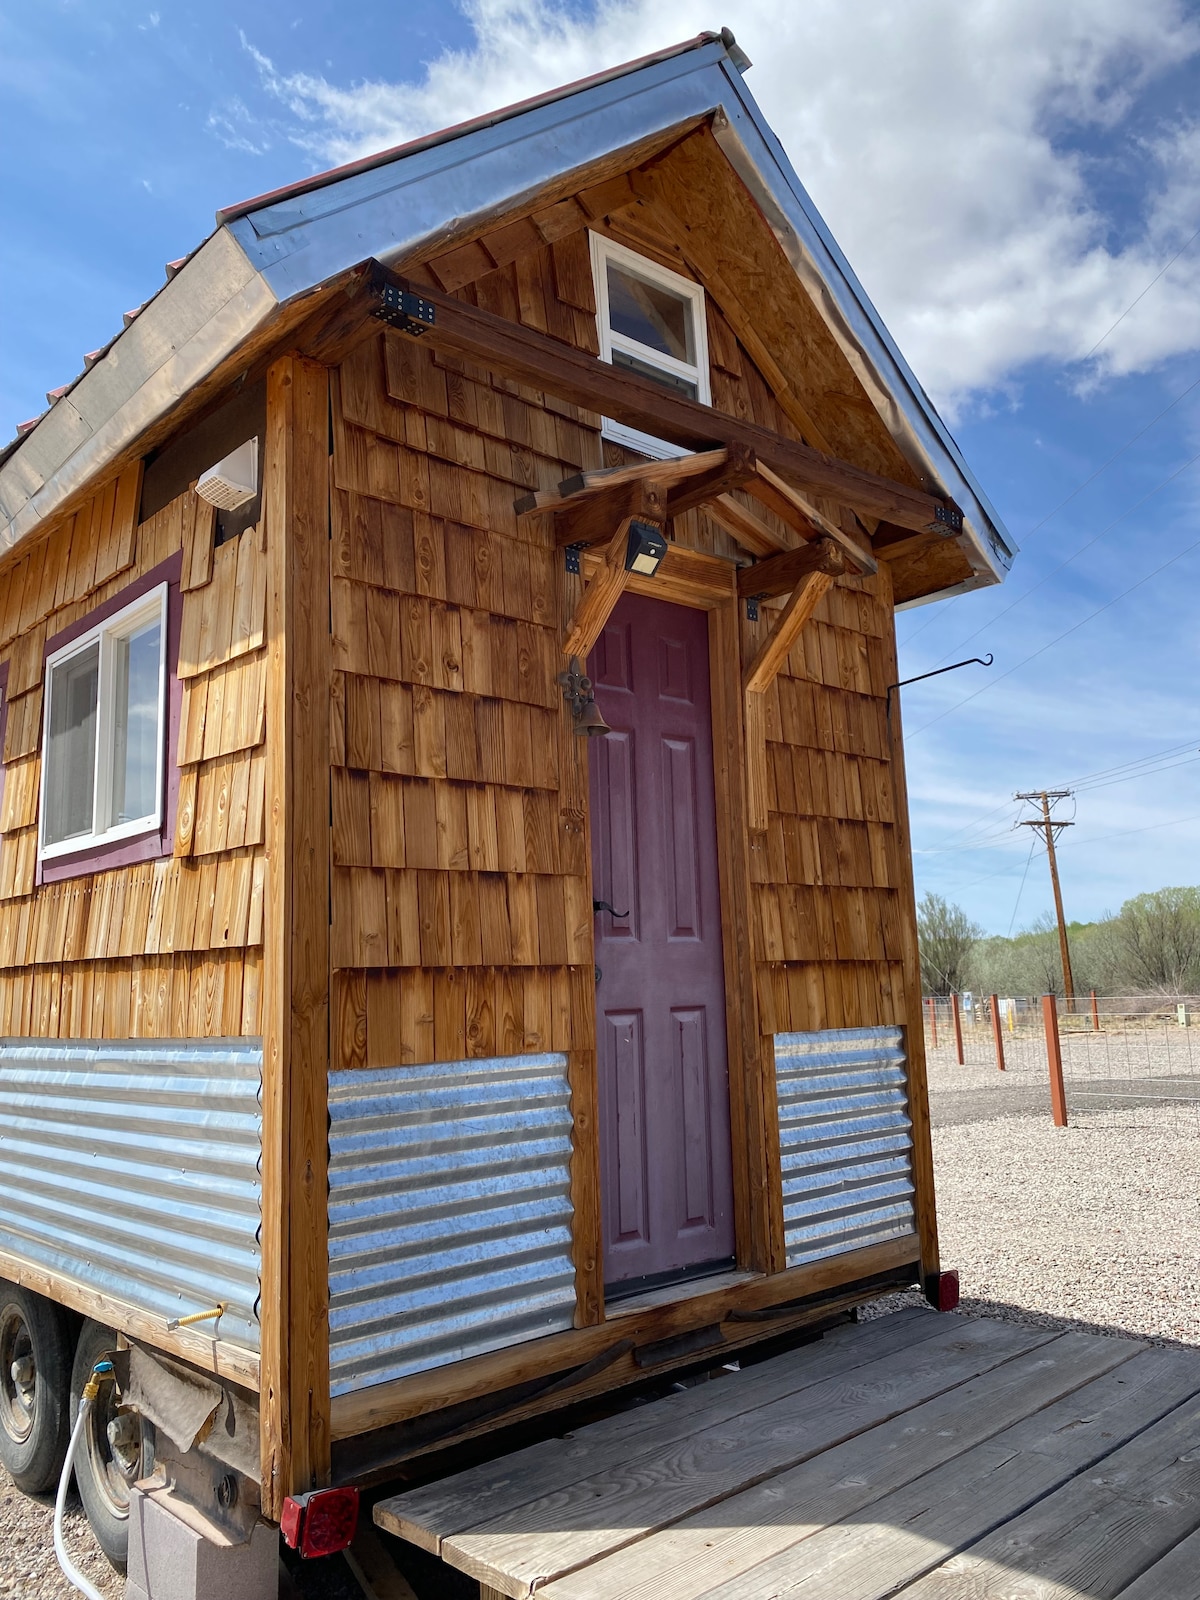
pixel 276 253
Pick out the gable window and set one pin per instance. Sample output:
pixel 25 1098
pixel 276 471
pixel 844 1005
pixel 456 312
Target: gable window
pixel 104 726
pixel 651 322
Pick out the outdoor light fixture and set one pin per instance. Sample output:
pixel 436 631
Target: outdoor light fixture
pixel 646 548
pixel 577 692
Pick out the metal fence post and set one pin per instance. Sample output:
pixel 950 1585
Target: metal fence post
pixel 997 1032
pixel 1095 1014
pixel 933 1021
pixel 957 1017
pixel 1058 1093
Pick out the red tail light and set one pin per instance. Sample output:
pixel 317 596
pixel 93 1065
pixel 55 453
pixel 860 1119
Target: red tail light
pixel 947 1291
pixel 321 1522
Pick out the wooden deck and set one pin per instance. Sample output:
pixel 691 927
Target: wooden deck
pixel 939 1457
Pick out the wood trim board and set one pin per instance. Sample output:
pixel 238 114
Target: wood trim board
pixel 294 1413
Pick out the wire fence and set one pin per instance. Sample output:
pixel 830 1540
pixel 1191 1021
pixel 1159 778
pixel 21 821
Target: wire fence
pixel 1126 1060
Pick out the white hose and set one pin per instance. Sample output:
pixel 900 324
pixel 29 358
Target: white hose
pixel 70 1571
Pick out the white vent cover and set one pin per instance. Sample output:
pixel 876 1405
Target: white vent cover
pixel 233 482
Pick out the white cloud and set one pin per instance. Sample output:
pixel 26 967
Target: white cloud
pixel 945 142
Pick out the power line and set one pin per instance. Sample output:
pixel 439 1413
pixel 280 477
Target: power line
pixel 1074 556
pixel 1021 890
pixel 940 614
pixel 1141 296
pixel 1085 781
pixel 1074 628
pixel 1123 766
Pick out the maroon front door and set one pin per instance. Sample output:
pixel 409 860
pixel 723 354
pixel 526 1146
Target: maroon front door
pixel 666 1167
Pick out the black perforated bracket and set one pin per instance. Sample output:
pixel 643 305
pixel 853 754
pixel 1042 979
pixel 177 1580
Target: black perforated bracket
pixel 947 519
pixel 402 309
pixel 571 553
pixel 752 607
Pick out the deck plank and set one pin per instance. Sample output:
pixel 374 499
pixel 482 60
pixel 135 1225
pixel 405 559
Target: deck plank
pixel 429 1515
pixel 900 1538
pixel 684 1561
pixel 1096 1534
pixel 568 1527
pixel 1175 1577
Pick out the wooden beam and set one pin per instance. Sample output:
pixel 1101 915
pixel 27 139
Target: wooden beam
pixel 593 519
pixel 295 1402
pixel 662 474
pixel 925 1203
pixel 798 511
pixel 737 468
pixel 748 528
pixel 754 1119
pixel 537 359
pixel 686 577
pixel 758 678
pixel 194 1344
pixel 780 574
pixel 773 652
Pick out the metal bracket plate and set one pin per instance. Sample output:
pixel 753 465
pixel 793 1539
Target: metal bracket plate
pixel 402 309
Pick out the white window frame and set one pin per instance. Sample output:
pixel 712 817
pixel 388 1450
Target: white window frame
pixel 144 609
pixel 603 251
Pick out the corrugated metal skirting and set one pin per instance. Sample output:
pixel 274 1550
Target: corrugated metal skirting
pixel 132 1167
pixel 845 1140
pixel 449 1213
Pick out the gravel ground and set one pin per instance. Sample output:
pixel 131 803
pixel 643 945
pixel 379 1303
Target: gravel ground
pixel 1094 1227
pixel 28 1568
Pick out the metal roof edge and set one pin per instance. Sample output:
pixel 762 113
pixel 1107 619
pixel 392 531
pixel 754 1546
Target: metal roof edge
pixel 490 119
pixel 907 412
pixel 446 185
pixel 195 321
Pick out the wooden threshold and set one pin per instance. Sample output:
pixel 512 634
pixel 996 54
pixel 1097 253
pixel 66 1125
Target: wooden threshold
pixel 383 1404
pixel 223 1360
pixel 673 1293
pixel 947 1457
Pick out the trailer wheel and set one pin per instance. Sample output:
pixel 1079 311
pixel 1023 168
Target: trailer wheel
pixel 109 1459
pixel 35 1374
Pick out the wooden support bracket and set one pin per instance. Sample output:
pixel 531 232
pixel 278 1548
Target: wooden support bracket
pixel 604 589
pixel 781 573
pixel 798 511
pixel 758 678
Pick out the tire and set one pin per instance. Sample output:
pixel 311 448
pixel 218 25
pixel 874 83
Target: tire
pixel 35 1381
pixel 103 1473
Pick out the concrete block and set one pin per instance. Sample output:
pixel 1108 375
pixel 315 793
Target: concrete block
pixel 170 1559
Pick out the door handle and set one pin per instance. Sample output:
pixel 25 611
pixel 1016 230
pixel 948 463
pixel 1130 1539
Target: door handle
pixel 606 905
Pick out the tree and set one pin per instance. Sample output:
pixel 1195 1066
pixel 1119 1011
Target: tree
pixel 947 936
pixel 1159 938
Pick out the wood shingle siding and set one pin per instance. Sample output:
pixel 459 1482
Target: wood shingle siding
pixel 169 947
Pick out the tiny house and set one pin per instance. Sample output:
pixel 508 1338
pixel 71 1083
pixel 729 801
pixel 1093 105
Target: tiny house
pixel 457 942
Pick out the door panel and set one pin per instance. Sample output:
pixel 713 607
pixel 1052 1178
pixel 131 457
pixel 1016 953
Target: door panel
pixel 667 1181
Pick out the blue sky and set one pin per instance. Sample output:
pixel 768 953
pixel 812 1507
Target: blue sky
pixel 1009 182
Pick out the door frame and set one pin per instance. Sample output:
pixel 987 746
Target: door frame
pixel 706 583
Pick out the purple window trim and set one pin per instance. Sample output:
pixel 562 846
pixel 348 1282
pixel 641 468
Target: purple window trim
pixel 157 842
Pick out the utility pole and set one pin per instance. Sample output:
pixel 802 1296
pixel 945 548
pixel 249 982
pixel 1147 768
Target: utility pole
pixel 1050 828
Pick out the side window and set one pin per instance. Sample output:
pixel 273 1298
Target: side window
pixel 651 321
pixel 105 725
